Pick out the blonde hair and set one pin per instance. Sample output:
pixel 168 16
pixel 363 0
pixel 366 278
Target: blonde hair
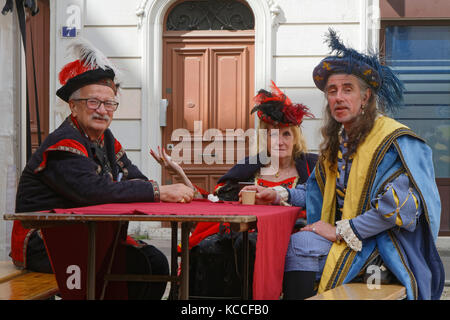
pixel 299 146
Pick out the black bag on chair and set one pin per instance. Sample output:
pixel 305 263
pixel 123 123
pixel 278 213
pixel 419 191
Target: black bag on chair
pixel 137 263
pixel 216 266
pixel 148 260
pixel 375 262
pixel 386 276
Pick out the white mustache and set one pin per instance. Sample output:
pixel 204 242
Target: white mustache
pixel 101 117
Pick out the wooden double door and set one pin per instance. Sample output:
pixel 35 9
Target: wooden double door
pixel 208 81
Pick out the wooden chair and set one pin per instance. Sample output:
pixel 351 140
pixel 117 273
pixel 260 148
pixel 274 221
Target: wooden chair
pixel 9 271
pixel 16 284
pixel 361 291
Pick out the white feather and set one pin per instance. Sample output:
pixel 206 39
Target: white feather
pixel 91 56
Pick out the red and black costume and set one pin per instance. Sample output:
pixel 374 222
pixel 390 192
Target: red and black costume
pixel 68 171
pixel 71 170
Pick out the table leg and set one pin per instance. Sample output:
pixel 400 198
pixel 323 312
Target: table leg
pixel 108 272
pixel 174 261
pixel 184 286
pixel 91 261
pixel 245 263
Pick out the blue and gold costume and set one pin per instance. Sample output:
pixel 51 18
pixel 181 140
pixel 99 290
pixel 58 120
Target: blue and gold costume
pixel 406 238
pixel 382 198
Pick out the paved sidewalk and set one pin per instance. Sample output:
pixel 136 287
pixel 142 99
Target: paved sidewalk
pixel 443 246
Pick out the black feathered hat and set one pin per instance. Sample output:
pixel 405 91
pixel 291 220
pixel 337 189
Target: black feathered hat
pixel 277 109
pixel 91 67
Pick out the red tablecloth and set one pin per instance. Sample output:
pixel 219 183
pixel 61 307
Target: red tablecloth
pixel 274 225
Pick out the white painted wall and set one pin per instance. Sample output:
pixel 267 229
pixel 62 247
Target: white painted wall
pixel 9 124
pixel 300 47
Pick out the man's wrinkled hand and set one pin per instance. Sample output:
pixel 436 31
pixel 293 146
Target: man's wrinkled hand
pixel 176 193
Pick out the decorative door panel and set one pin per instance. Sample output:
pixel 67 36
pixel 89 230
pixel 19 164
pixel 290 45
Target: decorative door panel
pixel 228 81
pixel 190 92
pixel 209 83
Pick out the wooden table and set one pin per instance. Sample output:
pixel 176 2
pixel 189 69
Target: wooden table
pixel 239 223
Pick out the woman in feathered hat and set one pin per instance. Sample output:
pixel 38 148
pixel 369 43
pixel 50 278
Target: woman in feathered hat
pixel 281 119
pixel 372 198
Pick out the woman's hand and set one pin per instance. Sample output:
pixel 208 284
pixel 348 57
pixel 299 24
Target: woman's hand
pixel 263 195
pixel 323 229
pixel 165 160
pixel 174 168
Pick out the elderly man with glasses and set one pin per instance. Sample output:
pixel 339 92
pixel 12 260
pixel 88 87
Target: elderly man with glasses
pixel 82 164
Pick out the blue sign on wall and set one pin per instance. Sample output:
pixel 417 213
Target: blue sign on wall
pixel 69 32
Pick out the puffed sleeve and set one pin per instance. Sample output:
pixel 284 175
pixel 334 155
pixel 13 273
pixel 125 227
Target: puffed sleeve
pixel 297 195
pixel 397 205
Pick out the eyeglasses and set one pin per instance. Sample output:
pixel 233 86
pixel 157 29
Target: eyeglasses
pixel 94 104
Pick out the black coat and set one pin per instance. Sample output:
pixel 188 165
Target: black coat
pixel 65 172
pixel 245 170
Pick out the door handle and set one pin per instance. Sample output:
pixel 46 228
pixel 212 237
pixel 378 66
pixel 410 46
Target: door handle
pixel 190 104
pixel 163 103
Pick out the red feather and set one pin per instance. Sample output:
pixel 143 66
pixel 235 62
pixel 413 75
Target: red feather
pixel 71 70
pixel 295 113
pixel 281 96
pixel 275 95
pixel 292 113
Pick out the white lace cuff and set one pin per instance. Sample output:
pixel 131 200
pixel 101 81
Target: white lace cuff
pixel 344 229
pixel 282 196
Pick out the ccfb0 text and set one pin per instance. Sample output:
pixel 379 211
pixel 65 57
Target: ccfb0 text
pixel 246 309
pixel 229 309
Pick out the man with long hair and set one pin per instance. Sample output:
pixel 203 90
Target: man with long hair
pixel 372 198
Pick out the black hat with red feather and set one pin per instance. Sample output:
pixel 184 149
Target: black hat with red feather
pixel 277 109
pixel 91 67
